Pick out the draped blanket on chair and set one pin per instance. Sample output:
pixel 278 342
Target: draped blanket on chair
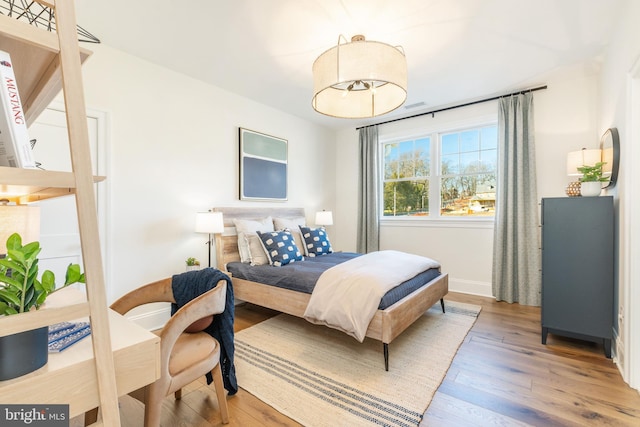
pixel 189 285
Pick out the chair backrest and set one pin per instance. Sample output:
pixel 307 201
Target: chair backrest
pixel 159 291
pixel 209 303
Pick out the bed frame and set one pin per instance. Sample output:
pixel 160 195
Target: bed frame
pixel 385 326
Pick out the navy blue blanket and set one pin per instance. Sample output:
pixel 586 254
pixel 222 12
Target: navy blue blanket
pixel 189 285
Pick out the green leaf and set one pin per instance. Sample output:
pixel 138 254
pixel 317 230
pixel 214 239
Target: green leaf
pixel 30 299
pixel 8 310
pixel 14 241
pixel 9 263
pixel 40 300
pixel 33 272
pixel 17 255
pixel 11 281
pixel 9 297
pixel 73 274
pixel 31 251
pixel 48 281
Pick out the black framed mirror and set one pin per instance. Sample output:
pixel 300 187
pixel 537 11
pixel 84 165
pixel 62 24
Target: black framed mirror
pixel 610 146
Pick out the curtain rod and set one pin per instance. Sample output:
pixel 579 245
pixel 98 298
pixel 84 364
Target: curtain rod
pixel 458 106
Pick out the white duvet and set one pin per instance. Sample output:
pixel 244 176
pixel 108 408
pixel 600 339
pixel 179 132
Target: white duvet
pixel 346 296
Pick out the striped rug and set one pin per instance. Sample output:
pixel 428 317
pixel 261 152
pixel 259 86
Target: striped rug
pixel 322 377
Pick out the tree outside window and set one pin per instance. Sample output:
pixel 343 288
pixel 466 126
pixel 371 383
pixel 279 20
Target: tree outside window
pixel 407 168
pixel 463 171
pixel 468 163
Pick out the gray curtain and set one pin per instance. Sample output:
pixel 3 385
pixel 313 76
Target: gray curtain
pixel 516 243
pixel 368 194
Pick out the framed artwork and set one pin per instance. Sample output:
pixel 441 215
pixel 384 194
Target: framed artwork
pixel 263 166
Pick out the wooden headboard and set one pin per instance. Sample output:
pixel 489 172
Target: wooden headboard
pixel 227 242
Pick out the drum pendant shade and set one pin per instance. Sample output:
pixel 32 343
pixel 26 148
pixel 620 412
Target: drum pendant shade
pixel 359 79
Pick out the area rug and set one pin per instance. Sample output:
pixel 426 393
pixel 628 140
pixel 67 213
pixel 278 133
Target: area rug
pixel 322 377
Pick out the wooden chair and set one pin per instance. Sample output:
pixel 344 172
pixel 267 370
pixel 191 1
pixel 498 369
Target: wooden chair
pixel 184 356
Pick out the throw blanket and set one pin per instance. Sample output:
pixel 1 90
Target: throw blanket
pixel 347 295
pixel 189 285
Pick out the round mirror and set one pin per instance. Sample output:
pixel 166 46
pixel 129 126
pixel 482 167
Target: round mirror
pixel 610 146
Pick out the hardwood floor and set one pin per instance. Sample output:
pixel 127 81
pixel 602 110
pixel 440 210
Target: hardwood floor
pixel 501 376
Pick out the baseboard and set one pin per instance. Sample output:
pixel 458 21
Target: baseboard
pixel 152 320
pixel 618 352
pixel 472 287
pixel 155 319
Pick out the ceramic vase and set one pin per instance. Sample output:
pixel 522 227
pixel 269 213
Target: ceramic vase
pixel 590 189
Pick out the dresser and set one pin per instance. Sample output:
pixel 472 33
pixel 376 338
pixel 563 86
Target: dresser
pixel 577 268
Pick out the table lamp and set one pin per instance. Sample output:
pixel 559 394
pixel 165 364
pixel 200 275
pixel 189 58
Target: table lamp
pixel 210 223
pixel 21 219
pixel 576 159
pixel 324 218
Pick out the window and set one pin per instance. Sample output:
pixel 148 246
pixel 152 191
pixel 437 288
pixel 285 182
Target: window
pixel 407 167
pixel 441 174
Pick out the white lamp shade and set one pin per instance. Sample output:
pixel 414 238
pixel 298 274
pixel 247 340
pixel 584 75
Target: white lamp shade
pixel 359 63
pixel 324 218
pixel 21 219
pixel 209 222
pixel 577 159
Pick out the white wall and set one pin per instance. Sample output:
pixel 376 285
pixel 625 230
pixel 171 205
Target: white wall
pixel 565 120
pixel 174 151
pixel 615 110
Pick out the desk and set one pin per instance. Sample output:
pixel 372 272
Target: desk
pixel 69 377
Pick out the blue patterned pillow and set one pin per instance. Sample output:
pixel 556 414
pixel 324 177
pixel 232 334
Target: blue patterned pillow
pixel 316 241
pixel 280 246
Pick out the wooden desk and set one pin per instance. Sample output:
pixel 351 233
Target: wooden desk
pixel 69 377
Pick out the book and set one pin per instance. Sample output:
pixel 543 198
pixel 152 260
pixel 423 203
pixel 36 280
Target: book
pixel 59 327
pixel 15 146
pixel 65 334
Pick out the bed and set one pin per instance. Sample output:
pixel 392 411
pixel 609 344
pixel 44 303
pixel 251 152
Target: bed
pixel 387 323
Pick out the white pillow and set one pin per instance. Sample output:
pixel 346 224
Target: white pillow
pixel 293 225
pixel 257 254
pixel 249 227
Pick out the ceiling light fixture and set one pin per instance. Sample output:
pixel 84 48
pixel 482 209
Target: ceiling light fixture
pixel 359 79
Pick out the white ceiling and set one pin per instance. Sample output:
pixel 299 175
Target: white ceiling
pixel 457 50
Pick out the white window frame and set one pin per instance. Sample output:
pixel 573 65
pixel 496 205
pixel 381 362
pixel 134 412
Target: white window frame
pixel 433 130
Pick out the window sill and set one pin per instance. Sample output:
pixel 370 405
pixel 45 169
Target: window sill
pixel 480 223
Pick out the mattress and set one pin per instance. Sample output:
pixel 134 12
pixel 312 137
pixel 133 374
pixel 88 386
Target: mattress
pixel 302 276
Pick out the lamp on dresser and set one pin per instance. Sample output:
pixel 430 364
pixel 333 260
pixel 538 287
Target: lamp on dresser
pixel 578 159
pixel 210 223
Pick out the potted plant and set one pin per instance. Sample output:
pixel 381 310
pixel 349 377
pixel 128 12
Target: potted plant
pixel 591 179
pixel 192 264
pixel 20 292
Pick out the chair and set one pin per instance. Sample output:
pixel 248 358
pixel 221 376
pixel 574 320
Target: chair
pixel 184 356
